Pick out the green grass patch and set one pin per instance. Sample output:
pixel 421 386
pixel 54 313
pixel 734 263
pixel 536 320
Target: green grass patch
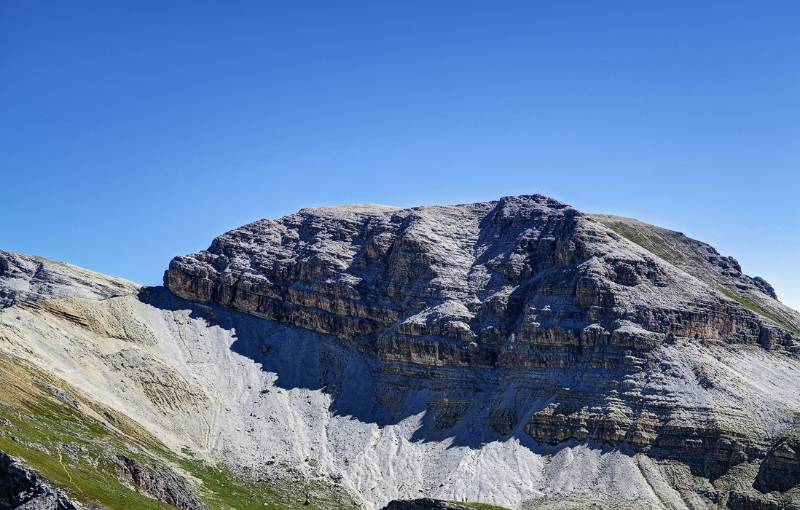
pixel 753 307
pixel 653 243
pixel 480 506
pixel 71 441
pixel 64 446
pixel 224 489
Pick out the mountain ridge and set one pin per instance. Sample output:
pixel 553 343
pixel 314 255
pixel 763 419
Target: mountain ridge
pixel 325 255
pixel 516 352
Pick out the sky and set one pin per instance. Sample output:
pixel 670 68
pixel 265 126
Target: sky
pixel 134 131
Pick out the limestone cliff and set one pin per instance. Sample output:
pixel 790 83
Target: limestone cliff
pixel 466 281
pixel 576 324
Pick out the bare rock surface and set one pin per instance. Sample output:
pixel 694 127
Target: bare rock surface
pixel 21 489
pixel 160 483
pixel 596 313
pixel 515 352
pixel 525 266
pixel 426 504
pixel 27 278
pixel 780 470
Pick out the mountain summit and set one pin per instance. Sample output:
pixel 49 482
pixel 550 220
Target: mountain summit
pixel 472 275
pixel 516 352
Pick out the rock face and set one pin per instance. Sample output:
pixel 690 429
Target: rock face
pixel 161 484
pixel 448 277
pixel 516 352
pixel 591 311
pixel 21 488
pixel 424 504
pixel 780 471
pixel 744 501
pixel 26 278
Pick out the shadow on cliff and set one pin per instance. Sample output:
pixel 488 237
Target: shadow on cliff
pixel 353 379
pixel 452 404
pixel 300 358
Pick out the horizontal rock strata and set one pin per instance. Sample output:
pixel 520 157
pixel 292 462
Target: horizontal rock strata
pixel 581 307
pixel 22 488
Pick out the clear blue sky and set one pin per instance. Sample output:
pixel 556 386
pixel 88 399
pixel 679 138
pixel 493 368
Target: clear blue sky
pixel 132 131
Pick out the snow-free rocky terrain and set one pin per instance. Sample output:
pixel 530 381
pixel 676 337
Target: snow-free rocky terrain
pixel 516 353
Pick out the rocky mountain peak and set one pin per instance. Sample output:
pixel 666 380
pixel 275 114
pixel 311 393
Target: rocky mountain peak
pixel 527 267
pixel 517 352
pixel 524 284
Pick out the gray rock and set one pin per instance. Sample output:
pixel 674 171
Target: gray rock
pixel 460 280
pixel 21 489
pixel 780 470
pixel 30 279
pixel 423 504
pixel 583 305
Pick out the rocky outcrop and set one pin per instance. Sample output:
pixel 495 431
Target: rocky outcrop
pixel 706 264
pixel 26 278
pixel 160 483
pixel 751 501
pixel 463 284
pixel 21 489
pixel 426 504
pixel 584 307
pixel 780 470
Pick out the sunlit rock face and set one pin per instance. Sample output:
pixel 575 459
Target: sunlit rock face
pixel 521 315
pixel 515 352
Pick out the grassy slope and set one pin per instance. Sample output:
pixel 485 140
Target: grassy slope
pixel 68 439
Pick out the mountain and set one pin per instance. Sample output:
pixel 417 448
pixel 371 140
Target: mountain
pixel 516 352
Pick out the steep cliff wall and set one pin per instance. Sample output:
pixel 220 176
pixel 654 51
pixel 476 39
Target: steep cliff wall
pixel 523 313
pixel 515 352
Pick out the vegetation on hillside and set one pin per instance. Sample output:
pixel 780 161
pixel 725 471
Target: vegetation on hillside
pixel 72 442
